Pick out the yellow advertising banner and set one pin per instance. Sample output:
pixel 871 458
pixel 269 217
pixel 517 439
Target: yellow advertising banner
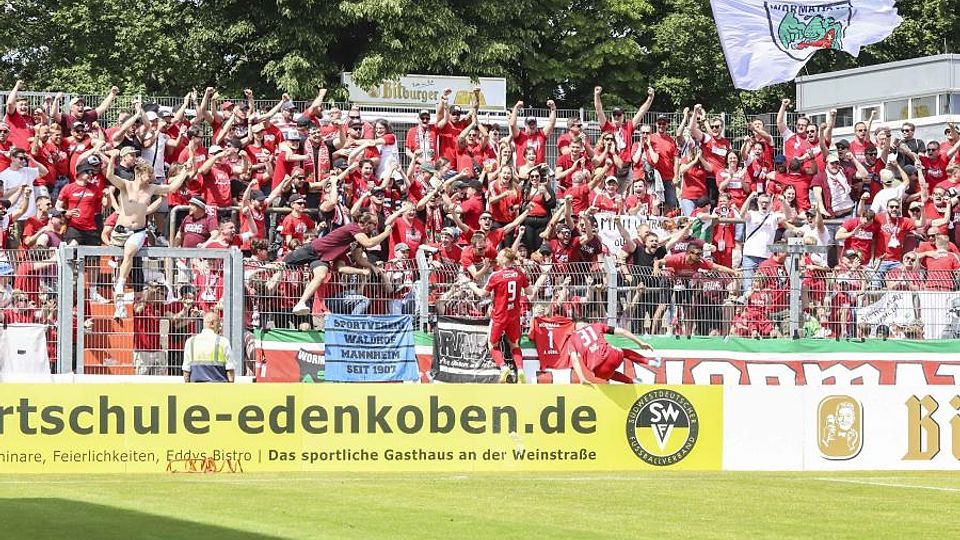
pixel 359 427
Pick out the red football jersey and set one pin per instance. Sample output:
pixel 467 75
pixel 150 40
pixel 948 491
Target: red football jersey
pixel 590 343
pixel 506 286
pixel 550 334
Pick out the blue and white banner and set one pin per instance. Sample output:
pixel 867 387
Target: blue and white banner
pixel 370 348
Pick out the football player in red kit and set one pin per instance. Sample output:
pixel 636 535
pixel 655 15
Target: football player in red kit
pixel 505 285
pixel 596 361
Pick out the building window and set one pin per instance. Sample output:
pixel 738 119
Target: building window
pixel 844 117
pixel 866 111
pixel 923 106
pixel 949 104
pixel 896 110
pixel 817 119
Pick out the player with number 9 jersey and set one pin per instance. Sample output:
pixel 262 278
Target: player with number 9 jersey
pixel 506 285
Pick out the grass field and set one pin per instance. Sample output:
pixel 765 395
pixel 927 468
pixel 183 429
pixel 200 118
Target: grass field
pixel 611 505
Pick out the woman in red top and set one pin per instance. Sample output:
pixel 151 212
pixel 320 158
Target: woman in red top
pixel 538 196
pixel 734 181
pixel 693 170
pixel 504 198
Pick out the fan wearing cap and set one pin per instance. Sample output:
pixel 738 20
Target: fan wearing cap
pixel 206 111
pixel 50 235
pixel 134 199
pixel 352 145
pixel 832 191
pixel 619 127
pixel 450 122
pixel 892 190
pixel 81 202
pixel 609 198
pixel 216 174
pixel 197 227
pixel 952 137
pixel 296 224
pixel 421 141
pixel 531 135
pixel 79 113
pixel 574 133
pixel 260 152
pixel 447 255
pixel 324 252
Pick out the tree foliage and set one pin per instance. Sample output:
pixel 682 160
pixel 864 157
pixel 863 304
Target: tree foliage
pixel 546 49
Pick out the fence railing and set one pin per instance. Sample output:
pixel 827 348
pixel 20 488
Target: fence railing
pixel 70 290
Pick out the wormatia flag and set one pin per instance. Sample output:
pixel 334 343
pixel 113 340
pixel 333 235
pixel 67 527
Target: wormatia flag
pixel 768 42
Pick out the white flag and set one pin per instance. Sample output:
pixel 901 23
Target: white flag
pixel 768 42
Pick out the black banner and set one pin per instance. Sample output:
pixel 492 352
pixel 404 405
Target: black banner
pixel 460 353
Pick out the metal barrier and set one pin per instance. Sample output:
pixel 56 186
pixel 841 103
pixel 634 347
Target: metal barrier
pixel 29 281
pixel 361 288
pixel 161 312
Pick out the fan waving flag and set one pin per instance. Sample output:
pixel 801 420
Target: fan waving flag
pixel 768 42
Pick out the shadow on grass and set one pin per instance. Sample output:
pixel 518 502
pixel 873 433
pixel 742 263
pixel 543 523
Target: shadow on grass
pixel 64 518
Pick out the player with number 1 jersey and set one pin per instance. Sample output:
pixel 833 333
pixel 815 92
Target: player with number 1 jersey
pixel 505 285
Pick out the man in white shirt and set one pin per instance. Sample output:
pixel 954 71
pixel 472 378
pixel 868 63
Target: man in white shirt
pixel 23 171
pixel 760 230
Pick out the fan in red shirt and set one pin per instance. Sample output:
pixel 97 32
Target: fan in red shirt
pixel 506 286
pixel 421 141
pixel 450 123
pixel 620 127
pixel 594 360
pixel 81 202
pixel 860 234
pixel 943 265
pixel 532 136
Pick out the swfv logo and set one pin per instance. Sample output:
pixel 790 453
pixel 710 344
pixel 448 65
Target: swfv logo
pixel 662 427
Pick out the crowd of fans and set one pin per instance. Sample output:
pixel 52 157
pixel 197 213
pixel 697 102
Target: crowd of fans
pixel 882 207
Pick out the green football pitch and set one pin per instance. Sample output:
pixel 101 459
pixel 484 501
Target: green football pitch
pixel 549 505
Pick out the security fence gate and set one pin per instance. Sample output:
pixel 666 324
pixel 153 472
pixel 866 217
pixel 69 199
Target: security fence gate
pixel 167 293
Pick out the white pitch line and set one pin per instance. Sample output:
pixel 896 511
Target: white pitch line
pixel 888 484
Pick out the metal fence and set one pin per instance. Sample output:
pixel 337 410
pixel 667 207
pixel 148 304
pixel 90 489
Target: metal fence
pixel 169 291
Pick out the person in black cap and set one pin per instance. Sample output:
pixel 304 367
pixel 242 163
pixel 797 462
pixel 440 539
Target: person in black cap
pixel 532 135
pixel 421 139
pixel 450 123
pixel 49 236
pixel 622 130
pixel 198 227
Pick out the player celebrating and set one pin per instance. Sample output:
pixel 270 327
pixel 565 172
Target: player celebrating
pixel 505 285
pixel 596 361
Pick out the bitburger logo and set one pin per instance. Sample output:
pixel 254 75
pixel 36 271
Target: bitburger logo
pixel 662 427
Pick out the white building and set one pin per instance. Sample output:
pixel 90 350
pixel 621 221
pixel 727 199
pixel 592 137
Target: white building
pixel 924 91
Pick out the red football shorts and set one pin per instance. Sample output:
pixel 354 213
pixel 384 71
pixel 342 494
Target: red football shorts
pixel 510 328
